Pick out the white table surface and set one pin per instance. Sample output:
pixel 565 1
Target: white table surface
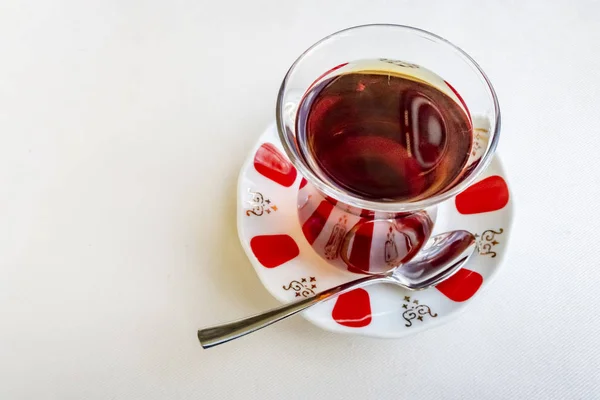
pixel 123 125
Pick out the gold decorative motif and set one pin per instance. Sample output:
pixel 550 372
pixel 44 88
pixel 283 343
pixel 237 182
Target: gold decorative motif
pixel 399 63
pixel 391 249
pixel 480 140
pixel 486 241
pixel 303 288
pixel 260 205
pixel 334 243
pixel 414 310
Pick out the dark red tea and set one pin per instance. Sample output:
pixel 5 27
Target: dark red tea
pixel 382 135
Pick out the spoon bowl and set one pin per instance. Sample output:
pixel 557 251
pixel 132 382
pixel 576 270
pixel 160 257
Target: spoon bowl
pixel 441 258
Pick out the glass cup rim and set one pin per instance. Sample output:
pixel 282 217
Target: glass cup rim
pixel 375 205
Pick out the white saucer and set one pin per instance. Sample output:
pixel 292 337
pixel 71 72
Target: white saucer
pixel 289 268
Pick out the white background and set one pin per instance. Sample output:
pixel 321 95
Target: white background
pixel 123 125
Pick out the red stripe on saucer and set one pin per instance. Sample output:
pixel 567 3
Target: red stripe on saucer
pixel 274 250
pixel 270 163
pixel 359 260
pixel 353 309
pixel 490 194
pixel 461 286
pixel 313 226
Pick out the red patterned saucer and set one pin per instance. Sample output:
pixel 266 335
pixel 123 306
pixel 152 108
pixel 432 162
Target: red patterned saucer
pixel 289 267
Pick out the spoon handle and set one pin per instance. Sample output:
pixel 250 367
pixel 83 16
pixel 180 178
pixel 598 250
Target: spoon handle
pixel 215 335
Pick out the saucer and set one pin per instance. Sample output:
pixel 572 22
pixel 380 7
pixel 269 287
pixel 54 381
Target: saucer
pixel 290 269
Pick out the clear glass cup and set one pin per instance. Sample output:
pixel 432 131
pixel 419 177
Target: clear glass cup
pixel 407 45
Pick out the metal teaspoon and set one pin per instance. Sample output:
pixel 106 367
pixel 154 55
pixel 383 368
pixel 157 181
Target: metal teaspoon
pixel 443 256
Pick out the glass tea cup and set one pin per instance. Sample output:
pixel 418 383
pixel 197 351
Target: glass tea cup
pixel 362 233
